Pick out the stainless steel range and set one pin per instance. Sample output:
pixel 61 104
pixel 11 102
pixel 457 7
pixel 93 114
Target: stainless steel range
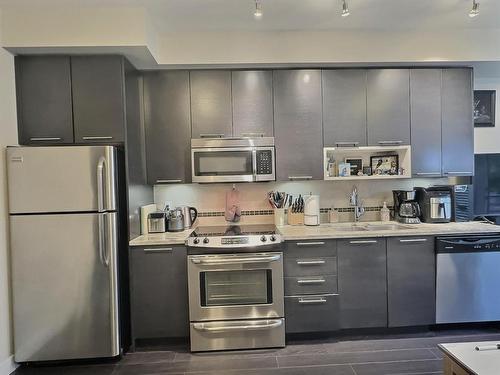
pixel 235 277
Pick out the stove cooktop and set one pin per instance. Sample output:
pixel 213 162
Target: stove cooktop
pixel 233 236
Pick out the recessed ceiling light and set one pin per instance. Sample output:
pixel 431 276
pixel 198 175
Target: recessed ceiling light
pixel 258 10
pixel 475 9
pixel 345 8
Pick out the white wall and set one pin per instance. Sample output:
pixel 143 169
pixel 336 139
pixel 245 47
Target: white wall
pixel 8 136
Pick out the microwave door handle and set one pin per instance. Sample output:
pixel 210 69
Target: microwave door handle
pixel 254 164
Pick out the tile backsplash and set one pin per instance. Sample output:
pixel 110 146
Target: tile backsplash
pixel 209 199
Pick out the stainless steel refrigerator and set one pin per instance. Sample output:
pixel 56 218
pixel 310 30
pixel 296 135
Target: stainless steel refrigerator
pixel 63 207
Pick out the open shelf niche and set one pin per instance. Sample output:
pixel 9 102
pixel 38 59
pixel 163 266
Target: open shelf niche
pixel 339 154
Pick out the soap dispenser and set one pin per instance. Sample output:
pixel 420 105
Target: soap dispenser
pixel 385 213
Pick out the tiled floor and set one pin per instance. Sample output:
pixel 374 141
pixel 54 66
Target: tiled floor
pixel 414 354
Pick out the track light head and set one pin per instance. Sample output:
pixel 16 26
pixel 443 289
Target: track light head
pixel 258 10
pixel 475 9
pixel 345 8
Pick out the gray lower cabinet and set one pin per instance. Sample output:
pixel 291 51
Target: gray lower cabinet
pixel 44 109
pixel 425 88
pixel 98 86
pixel 298 124
pixel 457 122
pixel 362 282
pixel 167 126
pixel 159 296
pixel 388 107
pixel 211 109
pixel 311 313
pixel 252 96
pixel 344 107
pixel 411 275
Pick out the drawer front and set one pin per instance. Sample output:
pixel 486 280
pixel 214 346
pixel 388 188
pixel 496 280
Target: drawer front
pixel 315 248
pixel 309 265
pixel 296 286
pixel 315 313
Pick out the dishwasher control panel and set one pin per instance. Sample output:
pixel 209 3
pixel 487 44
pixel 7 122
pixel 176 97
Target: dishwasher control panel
pixel 467 244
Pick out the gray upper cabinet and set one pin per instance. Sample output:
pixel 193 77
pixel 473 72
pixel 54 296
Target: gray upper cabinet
pixel 98 99
pixel 252 93
pixel 425 96
pixel 344 108
pixel 298 124
pixel 168 126
pixel 211 109
pixel 44 99
pixel 388 107
pixel 159 295
pixel 362 282
pixel 411 279
pixel 457 122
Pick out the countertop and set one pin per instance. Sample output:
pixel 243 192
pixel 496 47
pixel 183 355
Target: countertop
pixel 485 362
pixel 332 231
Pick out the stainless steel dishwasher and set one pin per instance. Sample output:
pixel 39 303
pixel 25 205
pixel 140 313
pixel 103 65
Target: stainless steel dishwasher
pixel 468 279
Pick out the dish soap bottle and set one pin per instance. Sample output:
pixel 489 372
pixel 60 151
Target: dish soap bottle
pixel 385 213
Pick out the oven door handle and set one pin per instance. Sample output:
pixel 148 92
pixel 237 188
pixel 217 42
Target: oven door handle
pixel 244 326
pixel 236 260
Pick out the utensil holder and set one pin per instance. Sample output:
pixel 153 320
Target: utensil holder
pixel 279 217
pixel 295 218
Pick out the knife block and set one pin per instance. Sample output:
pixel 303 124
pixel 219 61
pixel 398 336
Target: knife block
pixel 295 218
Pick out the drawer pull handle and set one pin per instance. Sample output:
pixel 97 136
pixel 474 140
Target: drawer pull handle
pixel 347 144
pixel 311 281
pixel 45 139
pixel 158 250
pixel 300 178
pixel 390 142
pixel 428 173
pixel 168 181
pixel 310 262
pixel 312 300
pixel 362 242
pixel 212 135
pixel 310 243
pixel 414 240
pixel 237 326
pixel 97 138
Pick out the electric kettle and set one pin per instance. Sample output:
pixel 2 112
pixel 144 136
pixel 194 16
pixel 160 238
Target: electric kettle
pixel 311 210
pixel 190 215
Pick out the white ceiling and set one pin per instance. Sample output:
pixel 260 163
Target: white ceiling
pixel 211 15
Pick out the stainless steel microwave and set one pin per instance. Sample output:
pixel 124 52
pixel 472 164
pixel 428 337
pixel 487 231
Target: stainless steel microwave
pixel 233 159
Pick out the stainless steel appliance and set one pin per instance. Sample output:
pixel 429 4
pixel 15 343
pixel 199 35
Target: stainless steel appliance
pixel 463 203
pixel 233 159
pixel 175 220
pixel 235 279
pixel 190 215
pixel 467 282
pixel 157 222
pixel 64 250
pixel 406 209
pixel 435 203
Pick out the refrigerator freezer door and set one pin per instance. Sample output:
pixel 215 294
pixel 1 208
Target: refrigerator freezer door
pixel 65 299
pixel 61 179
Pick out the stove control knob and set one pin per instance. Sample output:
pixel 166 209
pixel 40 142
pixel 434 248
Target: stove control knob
pixel 196 241
pixel 273 238
pixel 205 240
pixel 263 239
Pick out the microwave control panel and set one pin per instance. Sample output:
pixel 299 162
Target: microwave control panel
pixel 264 162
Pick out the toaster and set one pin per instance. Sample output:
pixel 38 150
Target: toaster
pixel 157 222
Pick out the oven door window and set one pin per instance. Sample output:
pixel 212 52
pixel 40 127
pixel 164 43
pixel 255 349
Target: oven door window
pixel 241 287
pixel 223 163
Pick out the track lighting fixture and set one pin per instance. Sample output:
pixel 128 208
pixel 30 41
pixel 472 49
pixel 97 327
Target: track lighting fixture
pixel 475 9
pixel 258 9
pixel 345 8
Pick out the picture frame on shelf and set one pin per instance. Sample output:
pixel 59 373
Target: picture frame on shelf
pixel 386 165
pixel 356 165
pixel 344 169
pixel 484 108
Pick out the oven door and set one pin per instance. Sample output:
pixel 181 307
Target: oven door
pixel 235 286
pixel 223 164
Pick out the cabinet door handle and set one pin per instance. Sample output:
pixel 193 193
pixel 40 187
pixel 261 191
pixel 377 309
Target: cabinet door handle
pixel 390 142
pixel 158 250
pixel 311 262
pixel 319 243
pixel 252 135
pixel 347 144
pixel 362 242
pixel 45 139
pixel 462 172
pixel 300 177
pixel 97 138
pixel 311 281
pixel 212 135
pixel 428 173
pixel 312 300
pixel 414 240
pixel 168 181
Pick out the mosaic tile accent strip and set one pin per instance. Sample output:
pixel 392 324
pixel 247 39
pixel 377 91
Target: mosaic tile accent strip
pixel 271 212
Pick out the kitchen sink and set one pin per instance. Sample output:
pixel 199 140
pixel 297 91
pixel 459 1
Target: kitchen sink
pixel 373 227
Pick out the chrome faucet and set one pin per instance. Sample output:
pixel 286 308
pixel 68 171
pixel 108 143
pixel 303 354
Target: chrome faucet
pixel 354 201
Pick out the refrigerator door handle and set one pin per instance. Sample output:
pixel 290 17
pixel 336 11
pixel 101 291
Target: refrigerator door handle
pixel 101 165
pixel 103 240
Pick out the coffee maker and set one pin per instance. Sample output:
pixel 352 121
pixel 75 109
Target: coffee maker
pixel 406 209
pixel 436 203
